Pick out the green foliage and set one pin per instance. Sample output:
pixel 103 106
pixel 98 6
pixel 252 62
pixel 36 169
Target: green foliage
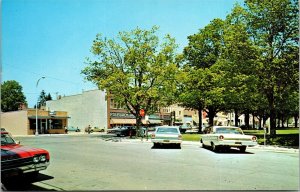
pixel 136 68
pixel 250 61
pixel 11 96
pixel 273 28
pixel 43 98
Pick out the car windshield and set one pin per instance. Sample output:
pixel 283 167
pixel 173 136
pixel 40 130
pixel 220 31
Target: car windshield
pixel 6 140
pixel 229 130
pixel 167 130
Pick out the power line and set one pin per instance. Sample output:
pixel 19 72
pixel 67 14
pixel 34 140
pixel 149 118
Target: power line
pixel 30 72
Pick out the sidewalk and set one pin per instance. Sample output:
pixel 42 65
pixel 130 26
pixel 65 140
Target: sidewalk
pixel 258 147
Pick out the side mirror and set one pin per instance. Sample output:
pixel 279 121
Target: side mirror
pixel 18 142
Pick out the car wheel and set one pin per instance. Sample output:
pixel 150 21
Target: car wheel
pixel 214 147
pixel 203 145
pixel 179 146
pixel 243 149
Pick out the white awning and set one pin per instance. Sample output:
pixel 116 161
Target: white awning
pixel 123 121
pixel 155 121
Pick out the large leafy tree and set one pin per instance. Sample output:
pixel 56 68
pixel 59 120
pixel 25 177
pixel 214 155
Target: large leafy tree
pixel 12 96
pixel 202 52
pixel 273 26
pixel 136 68
pixel 239 65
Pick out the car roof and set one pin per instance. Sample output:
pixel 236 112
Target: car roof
pixel 225 127
pixel 167 126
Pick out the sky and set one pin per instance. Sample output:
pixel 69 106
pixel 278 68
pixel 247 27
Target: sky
pixel 52 38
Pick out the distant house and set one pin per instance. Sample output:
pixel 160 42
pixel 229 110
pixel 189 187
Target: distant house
pixel 23 122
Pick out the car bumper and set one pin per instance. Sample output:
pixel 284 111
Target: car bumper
pixel 15 171
pixel 166 141
pixel 235 143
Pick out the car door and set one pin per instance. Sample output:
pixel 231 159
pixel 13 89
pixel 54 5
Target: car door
pixel 206 137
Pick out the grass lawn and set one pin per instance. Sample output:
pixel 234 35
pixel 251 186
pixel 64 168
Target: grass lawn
pixel 285 137
pixel 191 137
pixel 280 131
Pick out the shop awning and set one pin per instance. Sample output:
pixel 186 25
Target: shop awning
pixel 122 121
pixel 155 121
pixel 48 117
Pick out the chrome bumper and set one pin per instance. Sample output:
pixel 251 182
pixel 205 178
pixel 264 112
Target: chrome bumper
pixel 24 169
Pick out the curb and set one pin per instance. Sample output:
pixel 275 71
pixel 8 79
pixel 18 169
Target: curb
pixel 258 147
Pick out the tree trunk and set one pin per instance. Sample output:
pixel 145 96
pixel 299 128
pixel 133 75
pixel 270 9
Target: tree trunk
pixel 236 118
pixel 296 120
pixel 253 122
pixel 211 114
pixel 247 118
pixel 282 121
pixel 138 125
pixel 200 120
pixel 260 120
pixel 272 122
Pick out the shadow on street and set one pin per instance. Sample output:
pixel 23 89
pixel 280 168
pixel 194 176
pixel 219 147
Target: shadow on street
pixel 168 146
pixel 26 183
pixel 229 151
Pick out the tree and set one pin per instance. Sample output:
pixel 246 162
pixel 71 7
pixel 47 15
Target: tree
pixel 43 98
pixel 202 52
pixel 273 26
pixel 239 65
pixel 137 70
pixel 11 96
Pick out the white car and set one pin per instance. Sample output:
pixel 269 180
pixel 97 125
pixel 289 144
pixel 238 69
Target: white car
pixel 166 135
pixel 225 137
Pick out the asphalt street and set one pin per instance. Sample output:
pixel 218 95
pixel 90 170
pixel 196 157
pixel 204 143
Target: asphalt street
pixel 94 162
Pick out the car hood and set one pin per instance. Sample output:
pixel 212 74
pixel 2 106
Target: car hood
pixel 20 151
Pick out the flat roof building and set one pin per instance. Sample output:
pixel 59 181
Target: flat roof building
pixel 88 108
pixel 23 122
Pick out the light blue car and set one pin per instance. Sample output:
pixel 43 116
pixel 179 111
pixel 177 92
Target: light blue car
pixel 71 128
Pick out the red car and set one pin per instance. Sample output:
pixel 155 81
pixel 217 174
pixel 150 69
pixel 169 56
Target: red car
pixel 19 160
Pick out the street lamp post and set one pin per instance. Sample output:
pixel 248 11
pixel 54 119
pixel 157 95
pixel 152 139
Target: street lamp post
pixel 36 109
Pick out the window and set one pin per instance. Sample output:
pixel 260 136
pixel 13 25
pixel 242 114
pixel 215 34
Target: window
pixel 167 130
pixel 6 139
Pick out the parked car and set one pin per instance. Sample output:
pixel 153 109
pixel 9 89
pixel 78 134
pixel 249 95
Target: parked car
pixel 18 160
pixel 113 130
pixel 71 128
pixel 166 135
pixel 96 129
pixel 183 128
pixel 125 131
pixel 225 137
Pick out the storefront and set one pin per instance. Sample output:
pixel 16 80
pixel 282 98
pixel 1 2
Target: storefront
pixel 24 122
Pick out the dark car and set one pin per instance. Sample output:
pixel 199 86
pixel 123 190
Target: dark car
pixel 18 160
pixel 125 131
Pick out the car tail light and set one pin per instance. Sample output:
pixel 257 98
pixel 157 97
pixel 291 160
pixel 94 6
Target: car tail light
pixel 221 137
pixel 254 138
pixel 180 137
pixel 153 136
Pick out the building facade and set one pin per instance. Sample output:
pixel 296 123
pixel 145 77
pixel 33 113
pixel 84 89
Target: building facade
pixel 23 122
pixel 88 108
